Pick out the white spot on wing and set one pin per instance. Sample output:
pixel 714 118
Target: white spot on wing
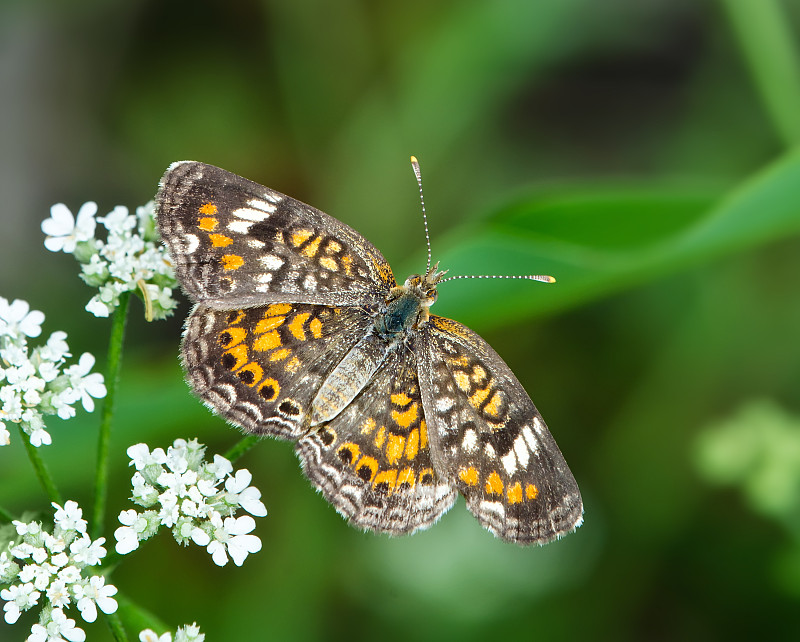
pixel 537 425
pixel 271 262
pixel 490 451
pixel 492 507
pixel 530 439
pixel 267 206
pixel 250 214
pixel 190 243
pixel 272 197
pixel 521 448
pixel 509 462
pixel 443 404
pixel 255 243
pixel 310 282
pixel 470 442
pixel 239 226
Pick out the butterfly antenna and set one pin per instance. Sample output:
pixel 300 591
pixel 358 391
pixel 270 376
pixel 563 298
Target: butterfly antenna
pixel 418 174
pixel 543 278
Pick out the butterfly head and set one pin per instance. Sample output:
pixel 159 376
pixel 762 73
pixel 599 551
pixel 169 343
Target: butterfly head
pixel 423 287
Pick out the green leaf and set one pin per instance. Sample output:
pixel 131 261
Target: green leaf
pixel 599 240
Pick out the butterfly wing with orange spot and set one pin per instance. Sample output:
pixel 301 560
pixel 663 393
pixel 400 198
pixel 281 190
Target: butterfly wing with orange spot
pixel 373 460
pixel 238 244
pixel 489 440
pixel 261 367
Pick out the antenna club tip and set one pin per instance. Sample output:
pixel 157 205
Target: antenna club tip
pixel 414 160
pixel 550 279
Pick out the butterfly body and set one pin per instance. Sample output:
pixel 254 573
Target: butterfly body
pixel 301 332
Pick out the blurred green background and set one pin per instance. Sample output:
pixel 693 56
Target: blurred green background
pixel 641 152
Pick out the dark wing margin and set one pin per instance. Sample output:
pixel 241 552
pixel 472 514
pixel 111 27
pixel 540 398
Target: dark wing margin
pixel 236 243
pixel 488 438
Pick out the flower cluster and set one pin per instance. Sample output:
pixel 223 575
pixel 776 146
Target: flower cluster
pixel 130 259
pixel 195 498
pixel 39 566
pixel 32 383
pixel 188 633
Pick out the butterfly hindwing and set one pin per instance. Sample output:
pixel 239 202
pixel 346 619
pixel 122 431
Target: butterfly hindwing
pixel 261 367
pixel 237 244
pixel 488 438
pixel 373 460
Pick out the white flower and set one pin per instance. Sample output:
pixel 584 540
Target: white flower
pixel 64 232
pixel 58 594
pixel 189 633
pixel 70 517
pixel 148 635
pixel 141 456
pixel 231 538
pixel 98 308
pixel 93 595
pixel 58 628
pixel 17 319
pixel 5 436
pixel 86 385
pixel 127 535
pixel 87 552
pixel 248 497
pixel 19 597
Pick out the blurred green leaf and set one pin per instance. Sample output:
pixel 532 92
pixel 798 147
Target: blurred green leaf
pixel 757 449
pixel 601 240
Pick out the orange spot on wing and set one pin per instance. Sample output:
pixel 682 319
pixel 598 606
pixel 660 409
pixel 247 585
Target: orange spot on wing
pixel 278 355
pixel 531 491
pixel 220 240
pixel 401 399
pixel 380 437
pixel 278 308
pixel 494 485
pixel 207 224
pixel 235 336
pixel 405 419
pixel 469 475
pixel 293 365
pixel 423 434
pixel 368 426
pixel 329 264
pixel 232 261
pixel 267 341
pixel 208 208
pixel 268 323
pixel 301 236
pixel 316 328
pixel 296 326
pixel 369 463
pixel 395 448
pixel 412 444
pixel 312 248
pixel 239 353
pixel 493 407
pixel 388 477
pixel 406 476
pixel 514 493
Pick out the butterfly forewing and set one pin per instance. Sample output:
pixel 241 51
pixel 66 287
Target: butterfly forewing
pixel 236 244
pixel 489 439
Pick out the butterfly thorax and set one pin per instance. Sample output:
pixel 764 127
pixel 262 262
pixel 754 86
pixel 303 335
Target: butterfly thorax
pixel 407 305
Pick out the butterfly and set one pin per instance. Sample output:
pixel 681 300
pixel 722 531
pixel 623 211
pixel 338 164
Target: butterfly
pixel 301 332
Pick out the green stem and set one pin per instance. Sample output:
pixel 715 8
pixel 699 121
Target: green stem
pixel 117 630
pixel 40 469
pixel 241 448
pixel 766 42
pixel 111 380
